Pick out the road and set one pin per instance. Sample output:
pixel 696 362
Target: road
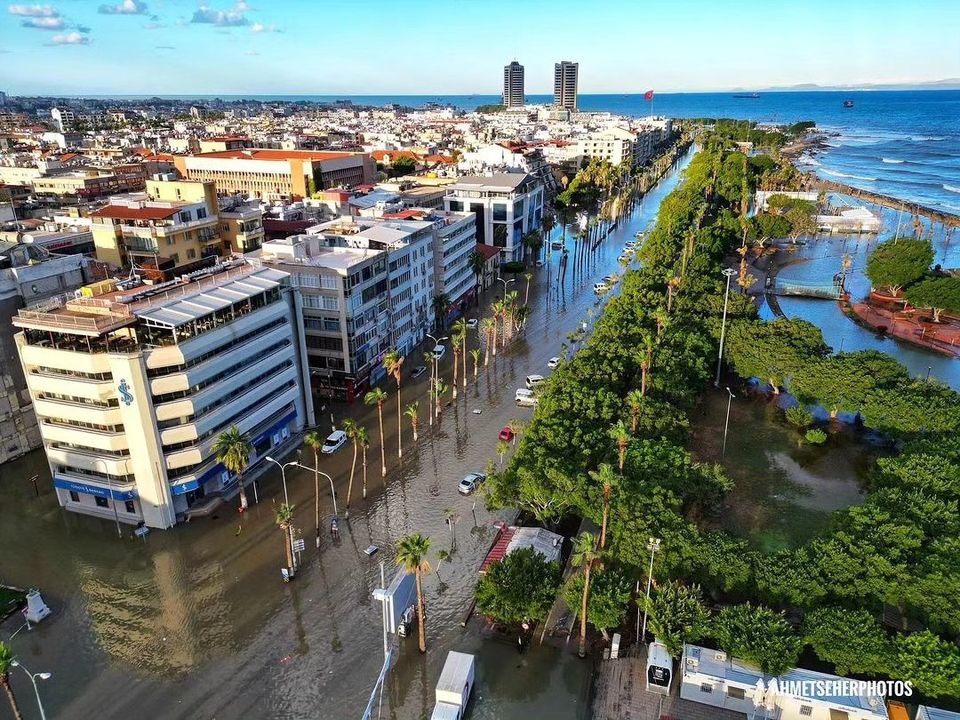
pixel 195 622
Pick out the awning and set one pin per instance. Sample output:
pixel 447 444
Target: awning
pixel 81 487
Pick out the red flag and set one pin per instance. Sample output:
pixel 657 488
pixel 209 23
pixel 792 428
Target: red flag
pixel 648 95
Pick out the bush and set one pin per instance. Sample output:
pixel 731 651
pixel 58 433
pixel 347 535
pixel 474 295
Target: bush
pixel 816 436
pixel 519 587
pixel 799 416
pixel 514 266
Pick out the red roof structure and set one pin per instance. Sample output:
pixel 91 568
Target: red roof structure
pixel 122 212
pixel 271 154
pixel 499 549
pixel 488 251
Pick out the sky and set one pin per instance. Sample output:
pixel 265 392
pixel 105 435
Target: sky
pixel 433 47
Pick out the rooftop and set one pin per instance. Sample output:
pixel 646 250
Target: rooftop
pixel 498 181
pixel 126 212
pixel 270 154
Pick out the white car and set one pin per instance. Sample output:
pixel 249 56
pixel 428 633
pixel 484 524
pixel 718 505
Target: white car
pixel 472 323
pixel 625 258
pixel 470 483
pixel 553 362
pixel 600 288
pixel 525 398
pixel 439 351
pixel 334 442
pixel 533 380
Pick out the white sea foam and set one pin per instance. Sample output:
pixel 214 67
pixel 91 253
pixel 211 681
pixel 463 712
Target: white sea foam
pixel 892 161
pixel 951 188
pixel 837 173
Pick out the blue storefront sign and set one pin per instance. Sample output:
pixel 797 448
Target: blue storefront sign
pixel 79 487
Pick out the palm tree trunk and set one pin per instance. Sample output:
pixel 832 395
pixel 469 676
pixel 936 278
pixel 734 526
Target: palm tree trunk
pixel 421 612
pixel 316 491
pixel 243 495
pixel 456 369
pixel 399 421
pixel 5 681
pixel 353 468
pixel 606 514
pixel 463 380
pixel 364 495
pixel 414 423
pixel 582 650
pixel 286 545
pixel 494 332
pixel 383 448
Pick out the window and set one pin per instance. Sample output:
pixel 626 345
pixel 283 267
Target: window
pixel 201 213
pixel 130 507
pixel 706 688
pixel 171 241
pixel 838 715
pixel 191 254
pixel 176 258
pixel 74 496
pixel 806 710
pixel 499 212
pixel 456 206
pixel 102 502
pixel 735 692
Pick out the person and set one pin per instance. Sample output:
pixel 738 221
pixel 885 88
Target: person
pixel 334 530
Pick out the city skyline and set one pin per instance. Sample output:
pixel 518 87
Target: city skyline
pixel 182 47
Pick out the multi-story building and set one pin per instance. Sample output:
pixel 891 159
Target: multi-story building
pixel 513 85
pixel 132 386
pixel 28 275
pixel 90 183
pixel 64 119
pixel 565 84
pixel 174 221
pixel 506 207
pixel 241 224
pixel 454 241
pixel 275 174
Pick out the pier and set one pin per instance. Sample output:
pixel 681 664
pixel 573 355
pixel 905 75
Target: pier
pixel 944 218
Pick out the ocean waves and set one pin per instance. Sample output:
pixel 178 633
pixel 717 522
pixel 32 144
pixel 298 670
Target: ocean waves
pixel 892 161
pixel 837 173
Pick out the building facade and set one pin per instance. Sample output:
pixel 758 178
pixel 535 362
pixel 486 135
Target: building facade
pixel 241 224
pixel 513 85
pixel 133 385
pixel 506 207
pixel 565 84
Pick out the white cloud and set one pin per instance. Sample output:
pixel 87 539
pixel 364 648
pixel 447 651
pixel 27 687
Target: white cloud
pixel 44 23
pixel 206 15
pixel 261 28
pixel 32 10
pixel 251 53
pixel 73 38
pixel 126 7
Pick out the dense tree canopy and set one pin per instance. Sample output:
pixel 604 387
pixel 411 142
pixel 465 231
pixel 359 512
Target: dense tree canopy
pixel 519 587
pixel 758 635
pixel 938 294
pixel 774 351
pixel 899 262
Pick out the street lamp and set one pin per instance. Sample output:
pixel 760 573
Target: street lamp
pixel 729 273
pixel 505 283
pixel 286 500
pixel 653 544
pixel 33 679
pixel 434 375
pixel 113 500
pixel 726 423
pixel 333 492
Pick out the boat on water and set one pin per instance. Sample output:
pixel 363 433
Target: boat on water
pixel 747 96
pixel 848 103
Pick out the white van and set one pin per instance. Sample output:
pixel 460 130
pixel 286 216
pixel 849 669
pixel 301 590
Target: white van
pixel 533 380
pixel 525 398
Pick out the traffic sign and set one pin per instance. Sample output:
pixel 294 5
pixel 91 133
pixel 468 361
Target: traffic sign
pixel 299 545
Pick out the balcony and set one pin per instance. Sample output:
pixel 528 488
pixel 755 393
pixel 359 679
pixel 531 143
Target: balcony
pixel 140 244
pixel 81 412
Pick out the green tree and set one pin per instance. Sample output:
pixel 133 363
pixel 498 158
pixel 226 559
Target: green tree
pixel 842 383
pixel 609 595
pixel 938 294
pixel 393 364
pixel 363 440
pixel 412 557
pixel 608 479
pixel 284 518
pixel 932 664
pixel 478 263
pixel 377 397
pixel 677 615
pixel 314 441
pixel 773 351
pixel 403 165
pixel 232 449
pixel 899 262
pixel 850 639
pixel 758 635
pixel 585 555
pixel 519 587
pixel 413 412
pixel 351 429
pixel 6 662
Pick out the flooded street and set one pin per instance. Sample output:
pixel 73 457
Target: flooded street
pixel 195 622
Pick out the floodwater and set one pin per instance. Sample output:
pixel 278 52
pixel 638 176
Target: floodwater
pixel 821 257
pixel 785 489
pixel 195 622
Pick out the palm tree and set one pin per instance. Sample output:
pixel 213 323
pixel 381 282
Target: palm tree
pixel 498 310
pixel 284 521
pixel 608 479
pixel 475 354
pixel 455 342
pixel 377 396
pixel 584 555
pixel 478 263
pixel 232 449
pixel 363 439
pixel 441 304
pixel 412 557
pixel 393 364
pixel 503 447
pixel 439 390
pixel 6 662
pixel 350 428
pixel 461 330
pixel 488 326
pixel 314 441
pixel 621 436
pixel 412 412
pixel 526 295
pixel 635 403
pixel 429 360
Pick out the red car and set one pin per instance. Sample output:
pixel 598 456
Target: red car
pixel 506 434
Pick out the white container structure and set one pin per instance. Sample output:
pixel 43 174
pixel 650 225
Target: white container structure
pixel 659 669
pixel 454 687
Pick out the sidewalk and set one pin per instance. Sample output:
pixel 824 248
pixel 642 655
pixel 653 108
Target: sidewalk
pixel 940 337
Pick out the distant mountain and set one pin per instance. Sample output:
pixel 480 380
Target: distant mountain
pixel 945 84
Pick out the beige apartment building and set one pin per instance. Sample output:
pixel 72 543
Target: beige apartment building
pixel 173 226
pixel 132 384
pixel 241 224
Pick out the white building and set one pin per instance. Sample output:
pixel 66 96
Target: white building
pixel 565 84
pixel 925 712
pixel 63 118
pixel 513 85
pixel 133 385
pixel 713 678
pixel 507 206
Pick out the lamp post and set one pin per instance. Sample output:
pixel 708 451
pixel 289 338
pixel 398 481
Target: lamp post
pixel 434 375
pixel 729 273
pixel 726 423
pixel 113 500
pixel 505 283
pixel 333 493
pixel 33 679
pixel 653 544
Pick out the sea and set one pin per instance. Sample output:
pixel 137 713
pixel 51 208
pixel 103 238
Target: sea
pixel 901 143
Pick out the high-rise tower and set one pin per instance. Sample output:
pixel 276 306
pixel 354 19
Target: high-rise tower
pixel 513 85
pixel 565 84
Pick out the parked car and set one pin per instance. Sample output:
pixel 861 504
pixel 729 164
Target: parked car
pixel 525 398
pixel 470 483
pixel 472 323
pixel 418 371
pixel 553 362
pixel 532 381
pixel 625 258
pixel 506 434
pixel 600 288
pixel 439 351
pixel 334 442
